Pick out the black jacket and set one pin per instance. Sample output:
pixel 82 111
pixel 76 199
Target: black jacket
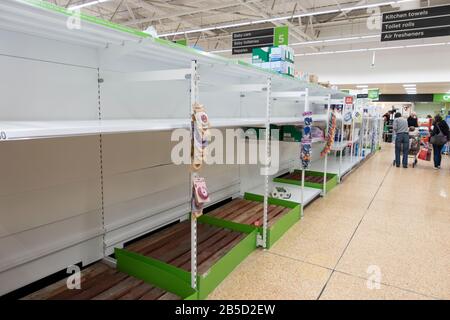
pixel 412 122
pixel 444 128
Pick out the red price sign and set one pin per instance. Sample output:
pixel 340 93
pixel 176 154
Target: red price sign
pixel 348 100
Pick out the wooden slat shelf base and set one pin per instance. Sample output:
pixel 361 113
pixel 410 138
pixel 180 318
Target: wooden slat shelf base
pixel 248 212
pixel 102 282
pixel 173 245
pixel 297 175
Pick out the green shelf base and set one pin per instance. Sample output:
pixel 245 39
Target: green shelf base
pixel 178 281
pixel 330 184
pixel 277 230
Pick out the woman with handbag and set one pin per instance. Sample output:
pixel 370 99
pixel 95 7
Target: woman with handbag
pixel 439 137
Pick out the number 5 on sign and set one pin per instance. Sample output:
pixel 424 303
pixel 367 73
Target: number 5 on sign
pixel 281 36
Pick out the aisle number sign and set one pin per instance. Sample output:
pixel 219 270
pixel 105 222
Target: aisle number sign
pixel 246 41
pixel 373 94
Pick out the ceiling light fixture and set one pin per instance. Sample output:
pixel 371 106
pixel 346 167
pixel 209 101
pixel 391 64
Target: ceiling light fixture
pixel 370 49
pixel 87 4
pixel 308 14
pixel 409 85
pixel 362 86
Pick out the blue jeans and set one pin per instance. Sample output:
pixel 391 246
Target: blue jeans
pixel 401 142
pixel 437 153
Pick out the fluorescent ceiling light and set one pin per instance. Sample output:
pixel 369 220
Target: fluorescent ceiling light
pixel 334 40
pixel 369 6
pixel 308 14
pixel 367 49
pixel 409 85
pixel 362 86
pixel 87 4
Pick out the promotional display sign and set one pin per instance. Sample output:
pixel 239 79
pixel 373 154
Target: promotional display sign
pixel 246 41
pixel 445 97
pixel 416 24
pixel 305 153
pixel 348 114
pixel 348 100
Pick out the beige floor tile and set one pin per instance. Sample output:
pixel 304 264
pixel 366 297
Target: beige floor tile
pixel 416 197
pixel 345 287
pixel 319 239
pixel 336 209
pixel 404 260
pixel 267 276
pixel 366 177
pixel 409 211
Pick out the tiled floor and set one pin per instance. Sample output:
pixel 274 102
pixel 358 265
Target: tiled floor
pixel 384 233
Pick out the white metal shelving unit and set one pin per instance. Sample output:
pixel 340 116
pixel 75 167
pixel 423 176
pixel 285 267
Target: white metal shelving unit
pixel 104 58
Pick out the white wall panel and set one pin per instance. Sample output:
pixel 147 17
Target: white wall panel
pixel 136 184
pixel 86 252
pixel 27 210
pixel 38 164
pixel 128 152
pixel 33 90
pixel 125 100
pixel 36 243
pixel 40 48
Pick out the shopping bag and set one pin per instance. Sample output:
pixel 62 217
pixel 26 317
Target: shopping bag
pixel 429 154
pixel 423 154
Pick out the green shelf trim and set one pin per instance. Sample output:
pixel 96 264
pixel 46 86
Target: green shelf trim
pixel 155 272
pixel 270 200
pixel 283 225
pixel 277 230
pixel 244 228
pixel 222 268
pixel 330 184
pixel 178 281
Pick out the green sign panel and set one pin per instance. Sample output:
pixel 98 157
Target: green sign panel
pixel 373 94
pixel 441 97
pixel 281 36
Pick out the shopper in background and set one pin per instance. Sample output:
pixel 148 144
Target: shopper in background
pixel 439 137
pixel 412 120
pixel 401 130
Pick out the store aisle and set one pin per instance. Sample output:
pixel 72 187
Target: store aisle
pixel 384 233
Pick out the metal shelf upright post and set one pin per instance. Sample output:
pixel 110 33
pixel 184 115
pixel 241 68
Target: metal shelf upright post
pixel 194 99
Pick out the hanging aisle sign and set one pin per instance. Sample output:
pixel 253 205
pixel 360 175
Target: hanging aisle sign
pixel 416 24
pixel 373 94
pixel 246 41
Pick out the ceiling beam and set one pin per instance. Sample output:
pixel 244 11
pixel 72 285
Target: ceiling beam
pixel 192 11
pixel 152 9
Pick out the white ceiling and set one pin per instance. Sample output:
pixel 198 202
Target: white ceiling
pixel 172 16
